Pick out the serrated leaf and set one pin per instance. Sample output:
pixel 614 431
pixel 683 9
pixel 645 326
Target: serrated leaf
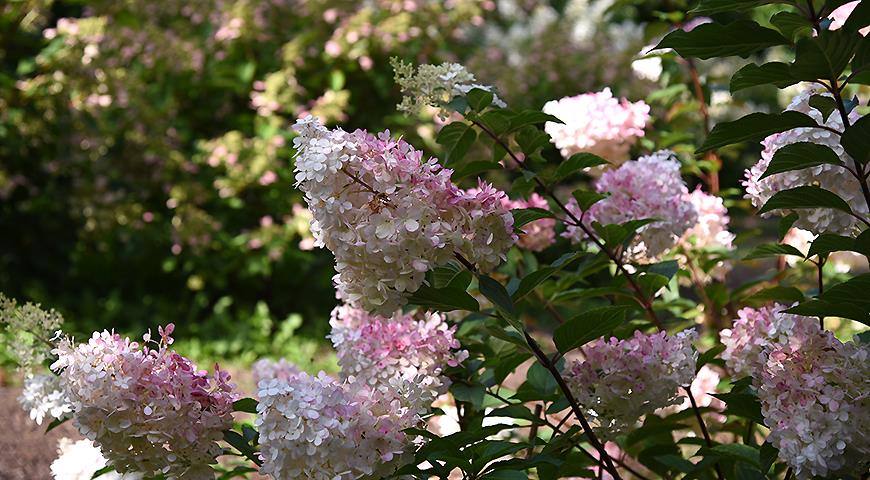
pixel 856 140
pixel 522 216
pixel 754 127
pixel 752 75
pixel 478 99
pixel 798 156
pixel 497 294
pixel 773 250
pixel 531 139
pixel 456 138
pixel 499 121
pixel 247 405
pixel 805 197
pixel 740 38
pixel 824 56
pixel 587 198
pixel 531 117
pixel 588 326
pixel 576 163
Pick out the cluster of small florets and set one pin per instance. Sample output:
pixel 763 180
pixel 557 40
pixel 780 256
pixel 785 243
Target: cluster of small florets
pixel 375 350
pixel 148 409
pixel 843 262
pixel 434 85
pixel 539 234
pixel 80 460
pixel 648 188
pixel 28 332
pixel 619 381
pixel 43 397
pixel 388 216
pixel 266 369
pixel 710 233
pixel 320 429
pixel 830 177
pixel 812 388
pixel 597 123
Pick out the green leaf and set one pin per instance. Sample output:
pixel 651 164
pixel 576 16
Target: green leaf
pixel 738 451
pixel 472 394
pixel 777 294
pixel 497 294
pixel 443 275
pixel 103 471
pixel 744 405
pixel 773 250
pixel 709 7
pixel 587 198
pixel 506 475
pixel 531 117
pixel 239 443
pixel 456 138
pixel 791 24
pixel 754 127
pixel 541 380
pixel 531 139
pixel 478 99
pixel 651 283
pixel 862 243
pixel 523 216
pixel 56 423
pixel 805 197
pixel 798 156
pixel 475 168
pixel 767 456
pixel 452 297
pixel 532 280
pixel 856 140
pixel 752 75
pixel 829 242
pixel 588 326
pixel 741 38
pixel 859 18
pixel 577 162
pixel 785 224
pixel 499 121
pixel 824 104
pixel 247 405
pixel 708 356
pixel 847 300
pixel 824 56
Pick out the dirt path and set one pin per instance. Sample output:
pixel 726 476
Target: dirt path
pixel 25 450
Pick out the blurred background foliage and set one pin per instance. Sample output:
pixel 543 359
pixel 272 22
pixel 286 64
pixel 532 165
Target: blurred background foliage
pixel 145 155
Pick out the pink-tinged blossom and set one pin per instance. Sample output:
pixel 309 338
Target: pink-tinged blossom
pixel 710 233
pixel 281 369
pixel 374 350
pixel 812 387
pixel 320 429
pixel 388 216
pixel 648 188
pixel 148 408
pixel 597 123
pixel 830 177
pixel 843 262
pixel 841 14
pixel 619 381
pixel 539 234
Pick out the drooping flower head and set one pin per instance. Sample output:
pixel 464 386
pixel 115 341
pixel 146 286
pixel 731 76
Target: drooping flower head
pixel 148 409
pixel 830 177
pixel 597 123
pixel 434 85
pixel 376 350
pixel 539 234
pixel 812 387
pixel 647 188
pixel 388 216
pixel 317 428
pixel 619 381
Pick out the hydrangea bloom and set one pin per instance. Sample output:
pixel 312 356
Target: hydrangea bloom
pixel 80 460
pixel 619 381
pixel 812 387
pixel 537 235
pixel 43 397
pixel 388 216
pixel 148 409
pixel 597 123
pixel 830 177
pixel 265 369
pixel 375 350
pixel 317 428
pixel 801 239
pixel 647 188
pixel 711 231
pixel 434 85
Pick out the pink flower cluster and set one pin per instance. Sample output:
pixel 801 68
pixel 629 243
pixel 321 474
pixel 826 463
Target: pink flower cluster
pixel 619 381
pixel 647 188
pixel 318 428
pixel 830 177
pixel 148 409
pixel 265 369
pixel 597 123
pixel 812 387
pixel 375 350
pixel 711 232
pixel 537 235
pixel 388 216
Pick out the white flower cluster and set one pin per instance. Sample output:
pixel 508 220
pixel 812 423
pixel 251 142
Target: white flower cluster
pixel 43 396
pixel 830 177
pixel 80 460
pixel 388 216
pixel 376 350
pixel 434 85
pixel 647 188
pixel 812 387
pixel 619 381
pixel 709 234
pixel 319 429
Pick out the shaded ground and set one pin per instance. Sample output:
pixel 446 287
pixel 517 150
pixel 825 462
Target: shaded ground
pixel 25 450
